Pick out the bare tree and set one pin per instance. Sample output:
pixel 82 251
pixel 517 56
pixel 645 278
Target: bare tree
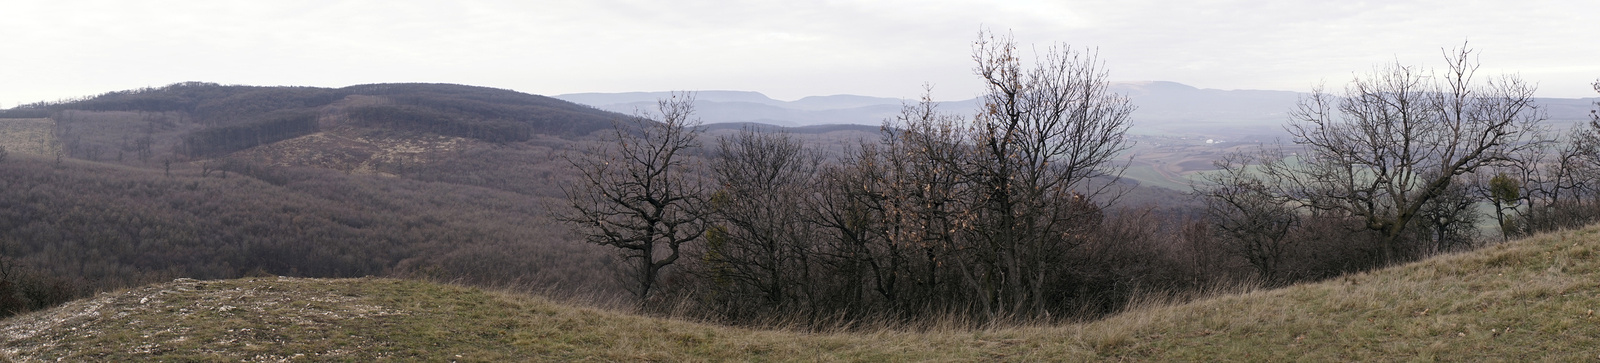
pixel 1042 134
pixel 1504 193
pixel 142 145
pixel 1542 183
pixel 640 193
pixel 1594 115
pixel 1563 189
pixel 928 204
pixel 56 146
pixel 760 242
pixel 1586 151
pixel 1588 146
pixel 1397 139
pixel 923 203
pixel 849 208
pixel 1246 216
pixel 1449 221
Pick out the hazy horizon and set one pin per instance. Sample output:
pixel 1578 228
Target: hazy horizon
pixel 68 49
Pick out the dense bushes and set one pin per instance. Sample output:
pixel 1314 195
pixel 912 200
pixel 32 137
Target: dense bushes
pixel 802 241
pixel 431 120
pixel 251 104
pixel 271 128
pixel 24 289
pixel 999 217
pixel 1554 184
pixel 175 97
pixel 24 113
pixel 1003 217
pixel 469 105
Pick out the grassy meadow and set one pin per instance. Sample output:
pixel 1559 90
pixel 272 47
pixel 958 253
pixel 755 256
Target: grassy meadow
pixel 1525 300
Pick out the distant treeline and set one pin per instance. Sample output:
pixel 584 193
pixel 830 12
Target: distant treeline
pixel 440 122
pixel 479 113
pixel 238 117
pixel 226 139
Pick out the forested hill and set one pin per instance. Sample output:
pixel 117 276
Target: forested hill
pixel 229 105
pixel 209 181
pixel 218 119
pixel 214 181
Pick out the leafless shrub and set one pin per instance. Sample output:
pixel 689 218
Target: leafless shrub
pixel 759 247
pixel 1246 217
pixel 1396 141
pixel 641 194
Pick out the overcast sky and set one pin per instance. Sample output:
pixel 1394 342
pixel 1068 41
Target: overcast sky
pixel 787 49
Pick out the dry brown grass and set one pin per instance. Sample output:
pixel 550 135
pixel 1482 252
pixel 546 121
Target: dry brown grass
pixel 31 136
pixel 1525 300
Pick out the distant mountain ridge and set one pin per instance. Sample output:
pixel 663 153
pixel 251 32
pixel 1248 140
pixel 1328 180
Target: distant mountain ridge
pixel 1158 102
pixel 833 102
pixel 754 107
pixel 1163 108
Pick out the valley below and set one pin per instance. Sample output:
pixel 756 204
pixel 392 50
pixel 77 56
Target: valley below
pixel 433 222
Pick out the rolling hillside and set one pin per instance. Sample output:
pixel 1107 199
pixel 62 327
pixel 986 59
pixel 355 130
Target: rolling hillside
pixel 212 181
pixel 1532 299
